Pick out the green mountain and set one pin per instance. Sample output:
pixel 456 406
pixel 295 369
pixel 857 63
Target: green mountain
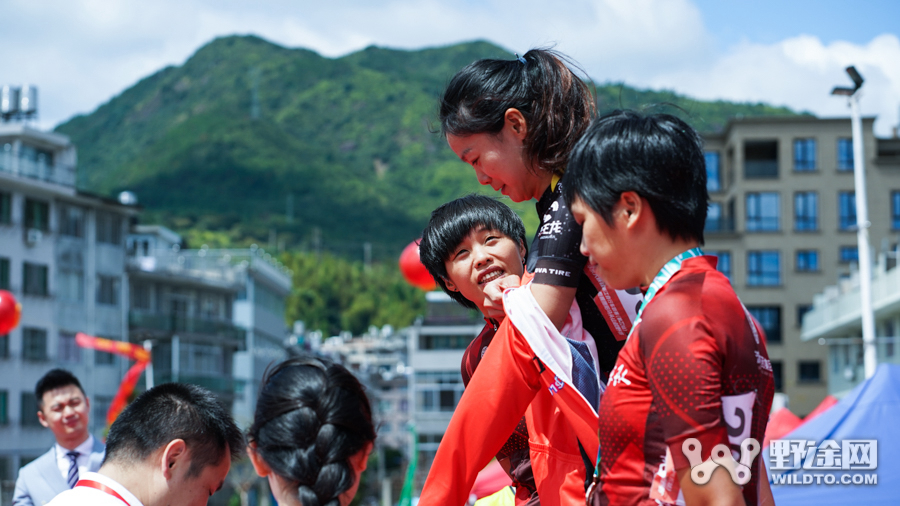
pixel 249 141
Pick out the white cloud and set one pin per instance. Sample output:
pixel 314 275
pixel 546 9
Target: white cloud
pixel 800 72
pixel 82 52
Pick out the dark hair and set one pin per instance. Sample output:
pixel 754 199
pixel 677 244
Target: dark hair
pixel 175 411
pixel 556 103
pixel 312 415
pixel 660 157
pixel 452 222
pixel 55 378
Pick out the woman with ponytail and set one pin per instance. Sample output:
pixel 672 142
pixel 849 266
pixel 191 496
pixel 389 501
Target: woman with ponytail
pixel 557 338
pixel 312 432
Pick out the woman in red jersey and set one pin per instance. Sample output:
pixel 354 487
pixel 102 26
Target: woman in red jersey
pixel 693 379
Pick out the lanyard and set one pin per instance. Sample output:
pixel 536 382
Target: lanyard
pixel 101 487
pixel 664 275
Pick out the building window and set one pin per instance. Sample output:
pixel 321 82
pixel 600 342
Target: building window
pixel 847 210
pixel 763 268
pixel 4 411
pixel 34 344
pixel 762 212
pixel 4 346
pixel 807 260
pixel 848 255
pixel 205 359
pixel 806 211
pixel 5 208
pixel 109 228
pixel 451 342
pixel 769 318
pixel 713 171
pixel 895 210
pixel 714 221
pixel 37 214
pixel 29 409
pixel 802 309
pixel 107 290
pixel 141 295
pixel 809 371
pixel 777 375
pixel 69 351
pixel 34 280
pixel 723 264
pixel 760 159
pixel 71 220
pixel 438 391
pixel 4 273
pixel 845 154
pixel 804 155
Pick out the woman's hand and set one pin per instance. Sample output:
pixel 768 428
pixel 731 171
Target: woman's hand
pixel 493 295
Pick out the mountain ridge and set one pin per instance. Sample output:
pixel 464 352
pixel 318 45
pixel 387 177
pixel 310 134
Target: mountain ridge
pixel 248 140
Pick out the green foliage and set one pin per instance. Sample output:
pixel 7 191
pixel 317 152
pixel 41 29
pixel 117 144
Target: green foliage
pixel 333 294
pixel 348 144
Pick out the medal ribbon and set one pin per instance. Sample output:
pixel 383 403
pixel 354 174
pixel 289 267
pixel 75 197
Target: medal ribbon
pixel 101 487
pixel 663 277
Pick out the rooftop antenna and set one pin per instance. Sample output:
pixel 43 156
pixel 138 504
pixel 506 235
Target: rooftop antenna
pixel 18 103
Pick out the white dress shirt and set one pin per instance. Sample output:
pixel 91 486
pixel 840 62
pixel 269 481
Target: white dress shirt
pixel 83 460
pixel 87 496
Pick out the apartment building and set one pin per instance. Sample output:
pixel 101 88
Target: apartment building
pixel 436 346
pixel 62 254
pixel 782 221
pixel 215 317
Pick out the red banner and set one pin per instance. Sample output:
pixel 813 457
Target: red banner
pixel 134 352
pixel 126 388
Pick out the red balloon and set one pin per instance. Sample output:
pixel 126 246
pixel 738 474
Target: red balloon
pixel 413 270
pixel 10 311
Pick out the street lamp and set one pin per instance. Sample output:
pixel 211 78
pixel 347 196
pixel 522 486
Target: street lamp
pixel 870 358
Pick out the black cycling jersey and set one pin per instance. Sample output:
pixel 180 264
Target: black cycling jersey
pixel 555 259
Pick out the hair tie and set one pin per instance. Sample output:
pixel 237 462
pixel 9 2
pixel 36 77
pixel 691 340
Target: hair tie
pixel 520 58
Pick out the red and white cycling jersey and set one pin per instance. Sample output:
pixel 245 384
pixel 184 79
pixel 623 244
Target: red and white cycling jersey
pixel 695 366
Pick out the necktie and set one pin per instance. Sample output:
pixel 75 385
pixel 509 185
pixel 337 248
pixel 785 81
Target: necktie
pixel 73 468
pixel 583 374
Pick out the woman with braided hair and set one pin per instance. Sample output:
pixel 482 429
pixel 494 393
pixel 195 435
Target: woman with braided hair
pixel 312 432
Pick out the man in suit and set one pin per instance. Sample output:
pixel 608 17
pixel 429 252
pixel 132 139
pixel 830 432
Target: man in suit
pixel 172 446
pixel 65 410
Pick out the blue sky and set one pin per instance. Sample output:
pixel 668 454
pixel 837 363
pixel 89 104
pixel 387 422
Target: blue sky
pixel 769 21
pixel 81 53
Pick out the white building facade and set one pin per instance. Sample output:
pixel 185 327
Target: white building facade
pixel 62 256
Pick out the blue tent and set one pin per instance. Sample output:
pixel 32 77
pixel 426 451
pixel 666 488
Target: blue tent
pixel 837 446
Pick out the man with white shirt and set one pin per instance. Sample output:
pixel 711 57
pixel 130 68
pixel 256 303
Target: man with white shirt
pixel 65 410
pixel 172 446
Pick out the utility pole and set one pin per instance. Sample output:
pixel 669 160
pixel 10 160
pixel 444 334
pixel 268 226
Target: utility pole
pixel 867 315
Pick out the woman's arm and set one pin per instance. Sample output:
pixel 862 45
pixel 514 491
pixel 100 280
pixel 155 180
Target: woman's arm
pixel 555 301
pixel 719 491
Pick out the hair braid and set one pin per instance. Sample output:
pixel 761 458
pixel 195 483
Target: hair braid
pixel 311 417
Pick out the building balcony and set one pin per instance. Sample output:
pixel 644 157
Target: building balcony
pixel 169 323
pixel 23 167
